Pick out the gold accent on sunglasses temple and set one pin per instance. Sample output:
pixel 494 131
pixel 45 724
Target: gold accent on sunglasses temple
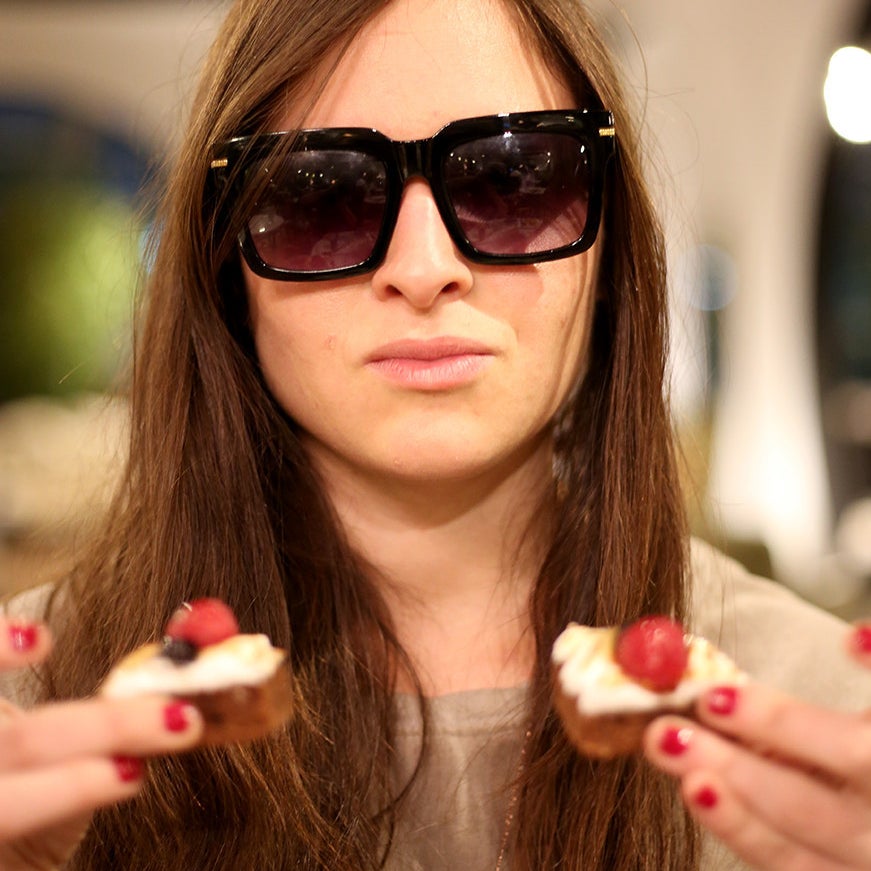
pixel 607 131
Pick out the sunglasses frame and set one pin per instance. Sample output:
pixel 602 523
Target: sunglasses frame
pixel 232 160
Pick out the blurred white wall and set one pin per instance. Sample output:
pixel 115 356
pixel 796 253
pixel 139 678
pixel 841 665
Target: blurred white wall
pixel 127 69
pixel 733 95
pixel 129 66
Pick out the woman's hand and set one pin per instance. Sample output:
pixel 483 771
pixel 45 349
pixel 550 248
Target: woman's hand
pixel 786 785
pixel 60 762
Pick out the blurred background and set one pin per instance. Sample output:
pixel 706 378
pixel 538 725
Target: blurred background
pixel 758 120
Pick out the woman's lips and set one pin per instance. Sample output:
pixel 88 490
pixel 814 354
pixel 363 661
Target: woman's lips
pixel 431 364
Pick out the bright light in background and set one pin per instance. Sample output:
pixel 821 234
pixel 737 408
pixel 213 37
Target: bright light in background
pixel 847 93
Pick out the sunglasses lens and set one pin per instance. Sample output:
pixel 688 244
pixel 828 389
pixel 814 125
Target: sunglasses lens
pixel 319 210
pixel 520 193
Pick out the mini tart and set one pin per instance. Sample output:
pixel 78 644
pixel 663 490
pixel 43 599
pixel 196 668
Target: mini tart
pixel 240 685
pixel 603 710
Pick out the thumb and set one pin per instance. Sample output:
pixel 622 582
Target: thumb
pixel 859 643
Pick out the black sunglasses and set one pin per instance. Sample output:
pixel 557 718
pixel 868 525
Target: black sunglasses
pixel 515 188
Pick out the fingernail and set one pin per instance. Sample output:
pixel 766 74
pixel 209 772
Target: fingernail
pixel 23 636
pixel 129 768
pixel 862 639
pixel 176 716
pixel 722 700
pixel 675 741
pixel 706 798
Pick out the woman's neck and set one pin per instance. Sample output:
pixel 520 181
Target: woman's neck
pixel 456 561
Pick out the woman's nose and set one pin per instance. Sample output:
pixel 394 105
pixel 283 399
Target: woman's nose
pixel 422 263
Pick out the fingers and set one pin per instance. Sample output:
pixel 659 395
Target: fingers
pixel 22 643
pixel 819 739
pixel 859 643
pixel 97 727
pixel 770 813
pixel 62 761
pixel 722 812
pixel 32 801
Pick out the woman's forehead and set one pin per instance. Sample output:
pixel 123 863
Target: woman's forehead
pixel 421 63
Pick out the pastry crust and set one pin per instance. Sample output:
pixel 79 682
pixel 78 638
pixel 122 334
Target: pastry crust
pixel 238 701
pixel 605 736
pixel 243 713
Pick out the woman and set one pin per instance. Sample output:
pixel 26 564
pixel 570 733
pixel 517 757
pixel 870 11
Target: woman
pixel 410 463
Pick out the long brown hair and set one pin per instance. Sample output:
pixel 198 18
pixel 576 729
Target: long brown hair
pixel 220 499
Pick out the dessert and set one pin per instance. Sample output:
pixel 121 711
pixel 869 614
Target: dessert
pixel 611 682
pixel 238 682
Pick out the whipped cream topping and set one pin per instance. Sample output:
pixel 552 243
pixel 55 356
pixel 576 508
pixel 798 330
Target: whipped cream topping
pixel 589 673
pixel 241 659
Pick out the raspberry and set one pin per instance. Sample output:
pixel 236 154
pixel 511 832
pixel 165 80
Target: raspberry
pixel 202 622
pixel 653 652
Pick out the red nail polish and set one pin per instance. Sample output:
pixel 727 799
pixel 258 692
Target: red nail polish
pixel 722 700
pixel 175 717
pixel 674 742
pixel 706 798
pixel 862 639
pixel 129 768
pixel 23 636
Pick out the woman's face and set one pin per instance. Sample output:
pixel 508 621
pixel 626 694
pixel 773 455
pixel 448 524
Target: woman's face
pixel 430 367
